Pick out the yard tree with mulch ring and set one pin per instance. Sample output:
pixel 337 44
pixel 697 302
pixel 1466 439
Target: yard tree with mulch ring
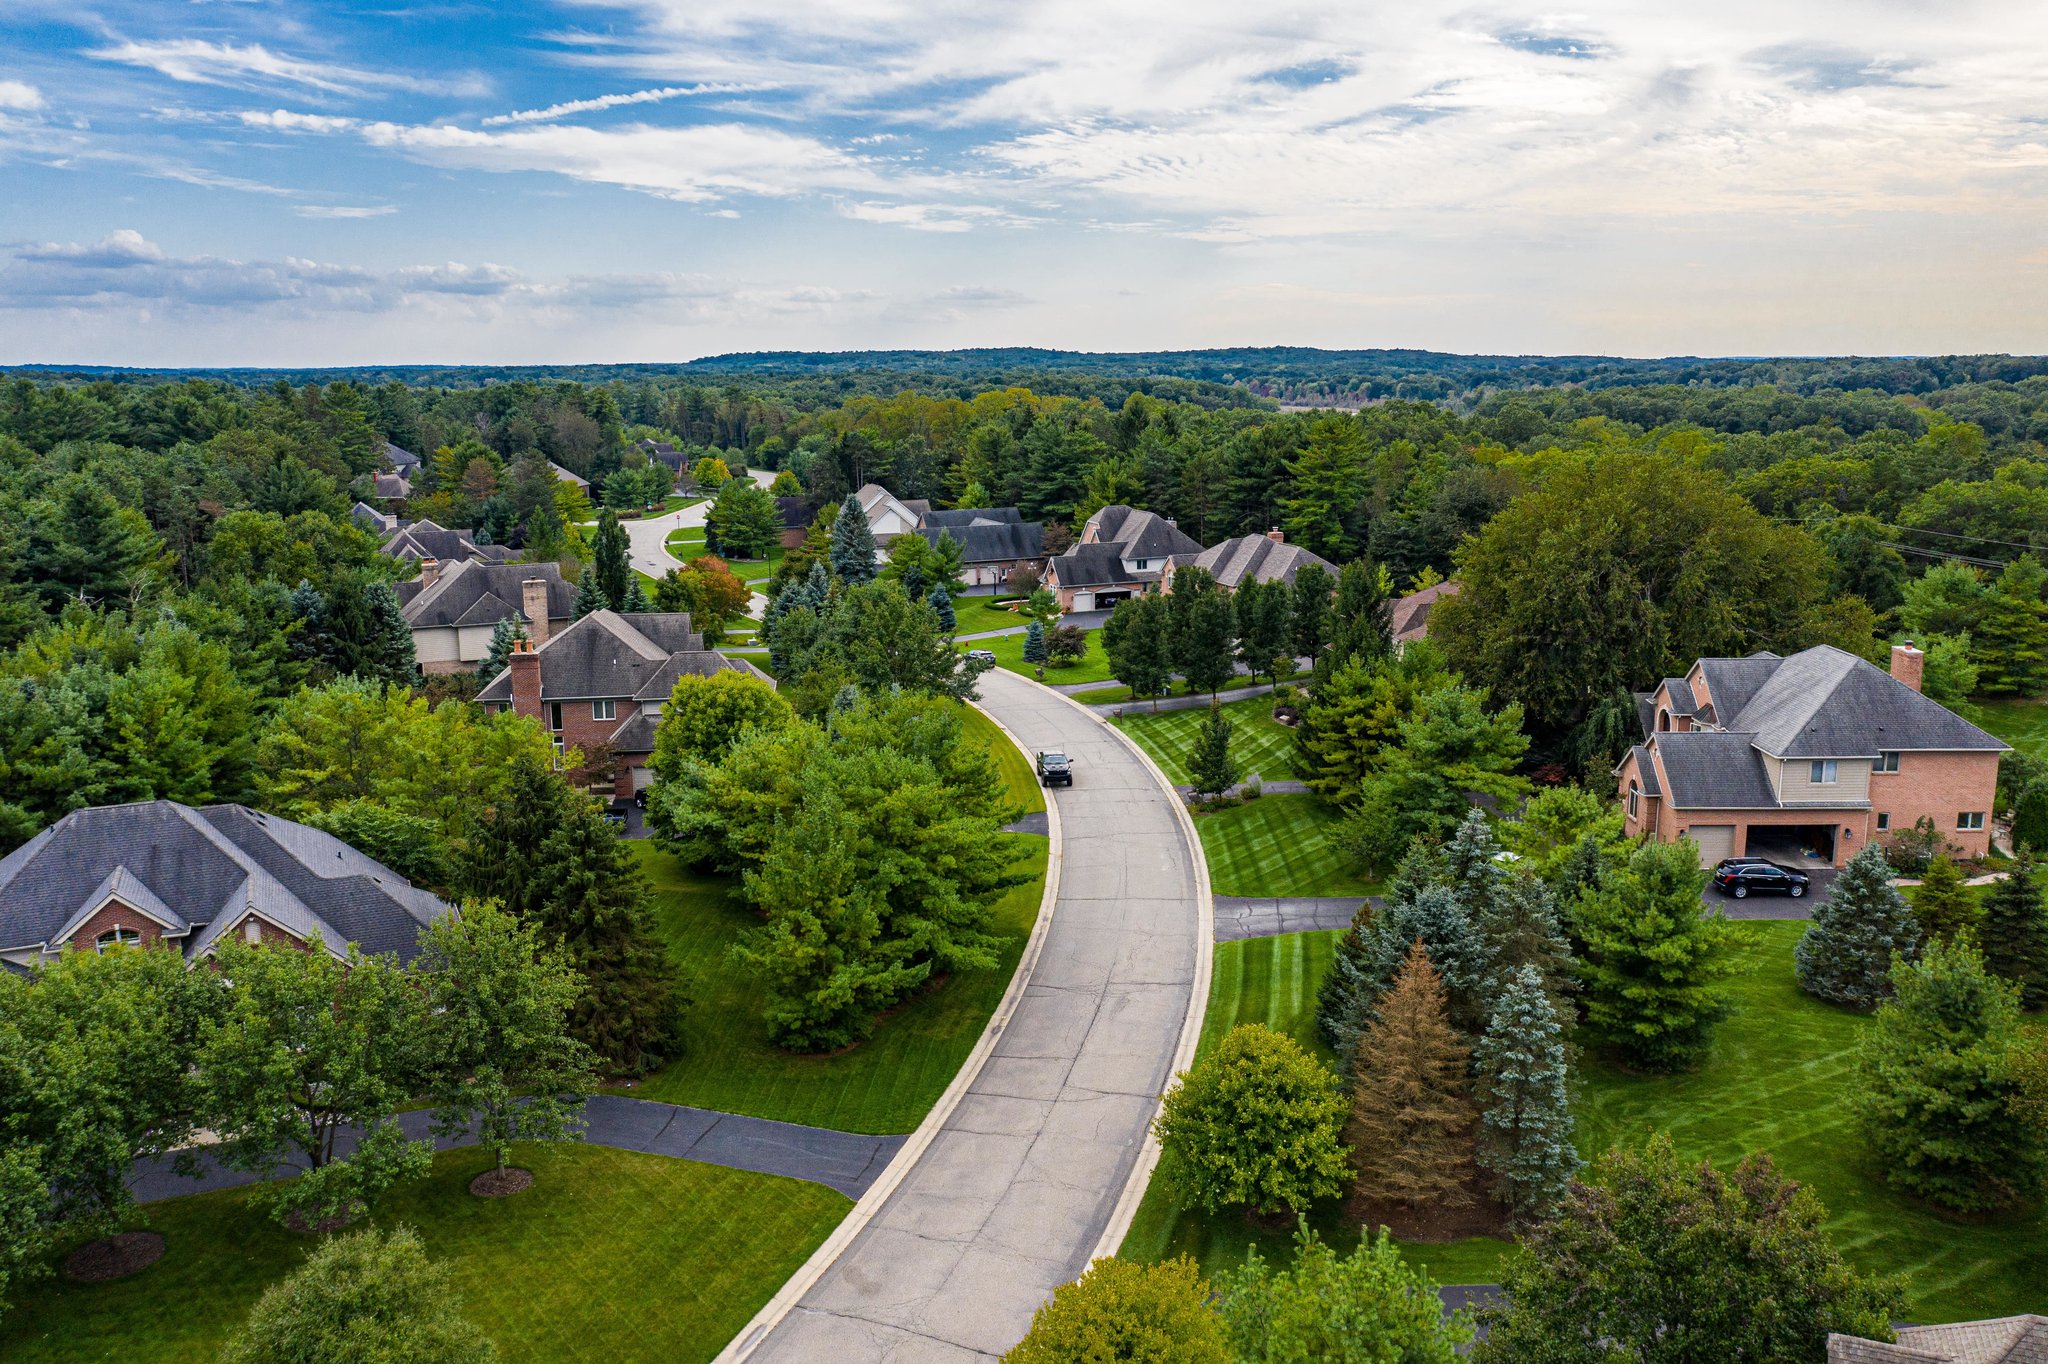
pixel 364 1296
pixel 2015 933
pixel 1257 1124
pixel 504 1067
pixel 1367 1307
pixel 1653 961
pixel 1656 1261
pixel 1937 1099
pixel 309 1046
pixel 1943 904
pixel 1119 1310
pixel 1411 1108
pixel 1209 762
pixel 1846 956
pixel 1525 1119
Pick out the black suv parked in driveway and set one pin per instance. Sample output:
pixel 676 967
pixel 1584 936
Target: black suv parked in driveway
pixel 1742 877
pixel 1055 770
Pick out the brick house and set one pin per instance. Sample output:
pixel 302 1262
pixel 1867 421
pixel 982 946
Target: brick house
pixel 1122 553
pixel 1264 558
pixel 994 541
pixel 161 872
pixel 419 541
pixel 600 685
pixel 453 608
pixel 1805 759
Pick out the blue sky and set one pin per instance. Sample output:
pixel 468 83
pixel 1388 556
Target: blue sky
pixel 283 182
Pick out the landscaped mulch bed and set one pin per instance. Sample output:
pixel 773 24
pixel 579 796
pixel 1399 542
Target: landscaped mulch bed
pixel 115 1257
pixel 501 1183
pixel 1435 1224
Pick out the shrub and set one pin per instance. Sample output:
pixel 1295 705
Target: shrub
pixel 1365 1308
pixel 364 1297
pixel 1119 1310
pixel 1257 1124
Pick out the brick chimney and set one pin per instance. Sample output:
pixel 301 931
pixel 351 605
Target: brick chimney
pixel 525 665
pixel 1277 536
pixel 1907 664
pixel 430 573
pixel 533 599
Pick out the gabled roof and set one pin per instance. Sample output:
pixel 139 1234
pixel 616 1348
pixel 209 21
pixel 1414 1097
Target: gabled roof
pixel 1646 771
pixel 991 542
pixel 608 655
pixel 565 476
pixel 1261 557
pixel 206 869
pixel 1409 618
pixel 2005 1340
pixel 425 540
pixel 1826 703
pixel 368 517
pixel 1138 534
pixel 401 458
pixel 453 599
pixel 1713 771
pixel 1678 698
pixel 1094 566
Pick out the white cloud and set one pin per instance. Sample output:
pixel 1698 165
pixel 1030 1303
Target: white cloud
pixel 19 95
pixel 345 210
pixel 287 121
pixel 253 66
pixel 588 106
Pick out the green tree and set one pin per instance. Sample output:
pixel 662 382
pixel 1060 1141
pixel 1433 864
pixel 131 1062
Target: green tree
pixel 1362 618
pixel 1308 611
pixel 504 1067
pixel 1936 1090
pixel 1943 904
pixel 82 545
pixel 365 1298
pixel 356 629
pixel 743 520
pixel 1137 641
pixel 411 845
pixel 1349 994
pixel 710 473
pixel 853 544
pixel 1653 959
pixel 1845 956
pixel 610 568
pixel 309 1046
pixel 1550 824
pixel 1369 1307
pixel 1947 673
pixel 1202 632
pixel 2015 932
pixel 1353 720
pixel 589 596
pixel 1411 1110
pixel 1663 1264
pixel 24 1203
pixel 1261 618
pixel 1328 479
pixel 1126 1311
pixel 1209 761
pixel 504 635
pixel 1034 643
pixel 1450 752
pixel 706 716
pixel 2030 816
pixel 2010 638
pixel 1258 1123
pixel 941 603
pixel 1525 1109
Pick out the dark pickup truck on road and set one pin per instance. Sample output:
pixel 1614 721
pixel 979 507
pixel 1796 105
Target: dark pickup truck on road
pixel 1055 770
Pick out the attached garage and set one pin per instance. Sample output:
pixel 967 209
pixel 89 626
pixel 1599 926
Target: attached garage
pixel 1083 601
pixel 1716 841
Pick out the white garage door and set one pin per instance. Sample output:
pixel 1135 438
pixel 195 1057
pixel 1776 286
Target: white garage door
pixel 1717 841
pixel 643 777
pixel 1084 601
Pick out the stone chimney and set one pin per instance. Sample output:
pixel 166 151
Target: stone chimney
pixel 533 599
pixel 525 665
pixel 1907 664
pixel 430 573
pixel 1277 536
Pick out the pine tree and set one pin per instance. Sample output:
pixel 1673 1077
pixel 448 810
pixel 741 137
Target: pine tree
pixel 636 596
pixel 1209 761
pixel 853 545
pixel 1363 625
pixel 1034 643
pixel 1652 959
pixel 608 561
pixel 1942 903
pixel 1411 1117
pixel 504 635
pixel 1521 931
pixel 1526 1120
pixel 589 596
pixel 1351 990
pixel 1579 873
pixel 2015 933
pixel 1846 955
pixel 390 654
pixel 941 601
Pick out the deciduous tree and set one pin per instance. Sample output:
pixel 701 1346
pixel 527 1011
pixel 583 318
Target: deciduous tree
pixel 1369 1307
pixel 368 1295
pixel 1255 1124
pixel 1122 1310
pixel 1209 762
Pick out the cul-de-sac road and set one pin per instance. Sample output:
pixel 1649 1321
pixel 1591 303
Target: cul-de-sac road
pixel 1011 1197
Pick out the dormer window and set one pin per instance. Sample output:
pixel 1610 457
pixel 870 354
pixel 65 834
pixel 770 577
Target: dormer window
pixel 117 937
pixel 1664 719
pixel 1821 772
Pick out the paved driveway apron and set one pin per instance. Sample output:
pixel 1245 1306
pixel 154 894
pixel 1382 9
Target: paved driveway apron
pixel 1010 1198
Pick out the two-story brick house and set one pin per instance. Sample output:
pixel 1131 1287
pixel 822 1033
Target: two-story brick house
pixel 1123 552
pixel 1805 758
pixel 600 684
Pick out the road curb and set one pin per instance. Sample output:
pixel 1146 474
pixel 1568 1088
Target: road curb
pixel 756 1331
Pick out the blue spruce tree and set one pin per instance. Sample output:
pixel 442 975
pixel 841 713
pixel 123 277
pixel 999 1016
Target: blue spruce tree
pixel 852 549
pixel 1845 956
pixel 1526 1120
pixel 941 601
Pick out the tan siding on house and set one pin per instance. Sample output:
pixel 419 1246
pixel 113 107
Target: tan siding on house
pixel 1792 779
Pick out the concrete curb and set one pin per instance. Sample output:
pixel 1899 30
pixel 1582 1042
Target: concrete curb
pixel 772 1313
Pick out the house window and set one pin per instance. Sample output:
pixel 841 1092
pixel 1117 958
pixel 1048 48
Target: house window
pixel 555 716
pixel 1663 719
pixel 117 937
pixel 604 710
pixel 1144 563
pixel 1970 819
pixel 1885 762
pixel 1884 821
pixel 1821 772
pixel 1632 798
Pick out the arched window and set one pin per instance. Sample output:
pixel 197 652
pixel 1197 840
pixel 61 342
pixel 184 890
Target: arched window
pixel 117 937
pixel 1663 719
pixel 1632 792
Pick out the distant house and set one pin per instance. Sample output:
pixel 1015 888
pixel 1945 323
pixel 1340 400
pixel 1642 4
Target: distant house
pixel 564 476
pixel 369 518
pixel 401 460
pixel 661 452
pixel 888 515
pixel 1266 558
pixel 1123 552
pixel 161 872
pixel 1411 613
pixel 1804 759
pixel 994 541
pixel 2007 1340
pixel 453 608
pixel 603 681
pixel 796 515
pixel 422 540
pixel 389 488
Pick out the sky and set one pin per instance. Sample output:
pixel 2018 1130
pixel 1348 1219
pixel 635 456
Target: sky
pixel 280 182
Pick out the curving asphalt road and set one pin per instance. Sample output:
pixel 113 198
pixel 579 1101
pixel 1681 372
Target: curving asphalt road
pixel 1012 1196
pixel 647 538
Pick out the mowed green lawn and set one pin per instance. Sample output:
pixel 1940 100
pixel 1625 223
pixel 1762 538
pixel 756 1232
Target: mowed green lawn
pixel 887 1083
pixel 1277 846
pixel 610 1255
pixel 976 614
pixel 688 543
pixel 2023 724
pixel 1009 652
pixel 1775 1081
pixel 1262 745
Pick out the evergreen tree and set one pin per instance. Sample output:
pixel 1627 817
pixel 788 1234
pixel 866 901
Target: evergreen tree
pixel 1943 904
pixel 1034 643
pixel 609 564
pixel 2015 933
pixel 1652 959
pixel 1308 612
pixel 853 545
pixel 1411 1114
pixel 1328 480
pixel 2030 816
pixel 1846 955
pixel 1209 762
pixel 507 632
pixel 1526 1132
pixel 1260 612
pixel 1472 856
pixel 1580 872
pixel 1936 1085
pixel 355 629
pixel 636 596
pixel 1521 932
pixel 1362 624
pixel 941 602
pixel 589 596
pixel 1351 990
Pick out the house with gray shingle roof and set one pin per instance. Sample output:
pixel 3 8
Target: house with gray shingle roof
pixel 162 872
pixel 1805 759
pixel 453 608
pixel 1123 552
pixel 421 540
pixel 994 541
pixel 2006 1340
pixel 1265 558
